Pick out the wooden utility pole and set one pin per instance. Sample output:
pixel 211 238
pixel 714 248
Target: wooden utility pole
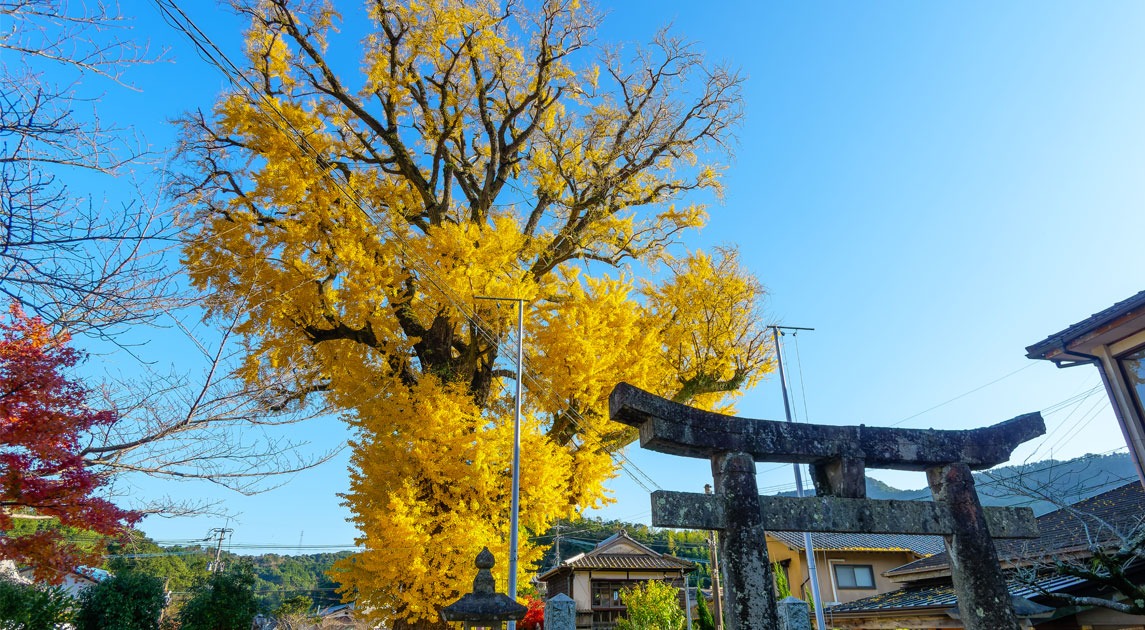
pixel 222 532
pixel 714 565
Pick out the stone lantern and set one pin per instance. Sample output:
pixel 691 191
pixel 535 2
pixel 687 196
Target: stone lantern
pixel 484 607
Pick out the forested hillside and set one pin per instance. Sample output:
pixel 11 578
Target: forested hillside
pixel 280 577
pixel 277 577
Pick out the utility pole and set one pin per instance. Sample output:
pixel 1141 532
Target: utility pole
pixel 807 544
pixel 714 563
pixel 557 543
pixel 222 533
pixel 516 500
pixel 688 601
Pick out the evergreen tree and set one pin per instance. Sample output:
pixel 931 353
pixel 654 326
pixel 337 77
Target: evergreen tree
pixel 222 601
pixel 705 620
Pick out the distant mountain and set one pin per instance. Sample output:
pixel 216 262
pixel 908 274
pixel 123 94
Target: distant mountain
pixel 1046 485
pixel 1043 486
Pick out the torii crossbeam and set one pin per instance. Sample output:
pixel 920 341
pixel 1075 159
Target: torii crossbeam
pixel 839 456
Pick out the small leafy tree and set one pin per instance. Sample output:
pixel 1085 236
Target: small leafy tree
pixel 33 607
pixel 128 601
pixel 222 601
pixel 294 613
pixel 653 605
pixel 298 604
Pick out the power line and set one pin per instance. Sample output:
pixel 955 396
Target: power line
pixel 1051 409
pixel 802 385
pixel 963 395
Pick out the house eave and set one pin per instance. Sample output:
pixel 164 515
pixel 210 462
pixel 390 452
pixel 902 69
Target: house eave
pixel 906 611
pixel 907 577
pixel 1076 343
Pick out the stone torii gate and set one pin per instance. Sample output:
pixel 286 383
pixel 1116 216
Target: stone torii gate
pixel 838 456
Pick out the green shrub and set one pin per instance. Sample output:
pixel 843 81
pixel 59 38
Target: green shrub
pixel 653 605
pixel 127 601
pixel 33 607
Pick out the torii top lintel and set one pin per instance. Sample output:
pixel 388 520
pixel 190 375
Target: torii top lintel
pixel 677 429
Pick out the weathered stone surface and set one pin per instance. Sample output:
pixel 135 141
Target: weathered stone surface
pixel 840 477
pixel 983 600
pixel 794 614
pixel 689 510
pixel 833 514
pixel 560 613
pixel 669 427
pixel 749 600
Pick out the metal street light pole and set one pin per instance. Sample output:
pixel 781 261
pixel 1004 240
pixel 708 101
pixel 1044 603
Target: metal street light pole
pixel 516 500
pixel 807 544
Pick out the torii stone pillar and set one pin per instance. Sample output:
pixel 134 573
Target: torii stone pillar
pixel 838 456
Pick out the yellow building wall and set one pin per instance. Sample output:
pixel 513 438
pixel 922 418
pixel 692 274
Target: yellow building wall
pixel 798 575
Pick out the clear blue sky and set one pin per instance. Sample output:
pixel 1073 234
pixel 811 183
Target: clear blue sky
pixel 931 186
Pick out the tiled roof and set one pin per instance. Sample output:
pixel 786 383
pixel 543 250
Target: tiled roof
pixel 600 558
pixel 628 561
pixel 1085 326
pixel 921 545
pixel 1062 530
pixel 942 596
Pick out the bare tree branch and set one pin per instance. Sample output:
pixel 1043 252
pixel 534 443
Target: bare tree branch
pixel 1091 539
pixel 75 261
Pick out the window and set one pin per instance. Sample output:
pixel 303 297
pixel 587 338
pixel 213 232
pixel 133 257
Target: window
pixel 607 594
pixel 1133 366
pixel 854 576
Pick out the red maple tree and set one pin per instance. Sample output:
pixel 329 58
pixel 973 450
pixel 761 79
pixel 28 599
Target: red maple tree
pixel 44 418
pixel 535 616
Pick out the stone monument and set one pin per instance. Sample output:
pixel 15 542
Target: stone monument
pixel 484 607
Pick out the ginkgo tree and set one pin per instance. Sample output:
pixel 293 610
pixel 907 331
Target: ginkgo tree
pixel 351 218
